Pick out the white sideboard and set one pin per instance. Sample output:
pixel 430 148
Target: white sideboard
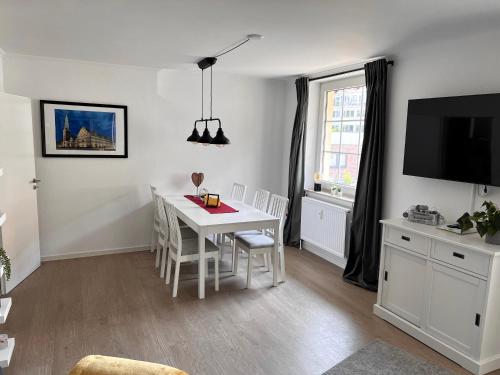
pixel 444 290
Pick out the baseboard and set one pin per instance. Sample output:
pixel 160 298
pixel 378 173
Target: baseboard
pixel 490 364
pixel 332 258
pixel 446 350
pixel 94 253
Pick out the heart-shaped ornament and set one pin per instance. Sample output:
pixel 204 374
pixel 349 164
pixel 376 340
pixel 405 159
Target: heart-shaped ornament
pixel 197 178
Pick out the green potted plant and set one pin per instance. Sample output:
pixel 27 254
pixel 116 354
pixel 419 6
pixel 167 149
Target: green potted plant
pixel 5 262
pixel 487 222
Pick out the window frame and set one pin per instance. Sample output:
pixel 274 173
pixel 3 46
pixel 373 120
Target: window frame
pixel 330 85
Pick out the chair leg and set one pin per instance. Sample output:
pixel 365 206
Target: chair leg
pixel 216 266
pixel 163 259
pixel 236 259
pixel 158 253
pixel 154 239
pixel 268 256
pixel 282 264
pixel 266 264
pixel 169 269
pixel 249 270
pixel 176 277
pixel 233 258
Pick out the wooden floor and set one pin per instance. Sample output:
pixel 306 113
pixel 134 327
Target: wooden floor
pixel 117 305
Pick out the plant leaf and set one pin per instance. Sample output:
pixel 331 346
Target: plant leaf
pixel 465 222
pixel 481 228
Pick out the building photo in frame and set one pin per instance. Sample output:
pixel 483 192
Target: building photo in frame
pixel 72 129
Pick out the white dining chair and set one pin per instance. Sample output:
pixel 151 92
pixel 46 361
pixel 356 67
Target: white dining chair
pixel 164 233
pixel 156 220
pixel 185 249
pixel 263 243
pixel 238 192
pixel 260 201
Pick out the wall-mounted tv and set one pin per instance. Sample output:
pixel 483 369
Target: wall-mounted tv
pixel 454 138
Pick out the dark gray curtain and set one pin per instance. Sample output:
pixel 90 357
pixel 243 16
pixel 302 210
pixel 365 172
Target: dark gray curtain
pixel 364 250
pixel 291 236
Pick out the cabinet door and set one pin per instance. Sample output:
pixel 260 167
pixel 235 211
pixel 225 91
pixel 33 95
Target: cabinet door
pixel 455 305
pixel 404 284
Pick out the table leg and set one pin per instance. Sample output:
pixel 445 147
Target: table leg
pixel 201 265
pixel 276 228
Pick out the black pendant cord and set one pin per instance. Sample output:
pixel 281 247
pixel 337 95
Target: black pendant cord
pixel 233 48
pixel 211 95
pixel 202 94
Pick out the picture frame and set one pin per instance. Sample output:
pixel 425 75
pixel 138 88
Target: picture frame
pixel 83 130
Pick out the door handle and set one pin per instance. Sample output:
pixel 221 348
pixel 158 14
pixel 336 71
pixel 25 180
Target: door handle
pixel 35 181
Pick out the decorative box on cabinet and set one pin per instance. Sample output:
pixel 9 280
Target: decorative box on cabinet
pixel 444 290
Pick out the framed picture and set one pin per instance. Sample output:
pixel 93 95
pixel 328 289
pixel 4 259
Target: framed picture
pixel 83 130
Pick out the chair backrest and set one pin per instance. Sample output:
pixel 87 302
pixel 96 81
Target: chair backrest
pixel 277 208
pixel 261 199
pixel 155 204
pixel 162 215
pixel 175 237
pixel 239 192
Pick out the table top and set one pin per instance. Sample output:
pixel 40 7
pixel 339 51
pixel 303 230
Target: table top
pixel 195 215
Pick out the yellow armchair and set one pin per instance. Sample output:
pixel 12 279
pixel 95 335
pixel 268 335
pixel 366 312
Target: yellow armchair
pixel 102 365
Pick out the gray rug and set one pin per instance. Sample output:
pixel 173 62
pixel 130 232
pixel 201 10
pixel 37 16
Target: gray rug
pixel 379 358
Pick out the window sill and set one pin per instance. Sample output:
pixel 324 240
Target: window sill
pixel 346 201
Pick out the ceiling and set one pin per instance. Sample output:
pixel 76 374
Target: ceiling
pixel 300 36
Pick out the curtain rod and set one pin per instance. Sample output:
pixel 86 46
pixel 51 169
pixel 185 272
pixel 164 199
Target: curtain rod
pixel 390 62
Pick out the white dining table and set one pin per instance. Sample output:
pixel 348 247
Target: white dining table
pixel 205 223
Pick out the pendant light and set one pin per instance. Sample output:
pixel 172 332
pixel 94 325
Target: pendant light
pixel 206 138
pixel 220 140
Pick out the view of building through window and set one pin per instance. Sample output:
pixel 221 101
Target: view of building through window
pixel 344 119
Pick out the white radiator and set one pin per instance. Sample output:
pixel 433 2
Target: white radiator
pixel 325 229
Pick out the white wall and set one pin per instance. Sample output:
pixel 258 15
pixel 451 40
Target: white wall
pixel 468 65
pixel 1 69
pixel 104 204
pixel 456 67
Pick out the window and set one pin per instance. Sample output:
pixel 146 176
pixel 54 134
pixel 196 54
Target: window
pixel 343 114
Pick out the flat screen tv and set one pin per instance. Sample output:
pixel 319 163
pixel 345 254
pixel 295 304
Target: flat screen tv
pixel 454 138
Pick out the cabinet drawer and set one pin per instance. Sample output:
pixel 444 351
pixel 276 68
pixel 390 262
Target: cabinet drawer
pixel 408 240
pixel 461 257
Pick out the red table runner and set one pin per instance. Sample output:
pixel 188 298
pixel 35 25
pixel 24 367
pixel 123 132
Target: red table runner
pixel 222 209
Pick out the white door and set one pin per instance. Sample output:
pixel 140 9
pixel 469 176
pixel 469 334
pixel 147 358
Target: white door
pixel 19 233
pixel 403 288
pixel 455 308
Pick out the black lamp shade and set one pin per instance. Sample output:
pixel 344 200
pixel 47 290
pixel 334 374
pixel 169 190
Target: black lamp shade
pixel 220 139
pixel 194 137
pixel 206 138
